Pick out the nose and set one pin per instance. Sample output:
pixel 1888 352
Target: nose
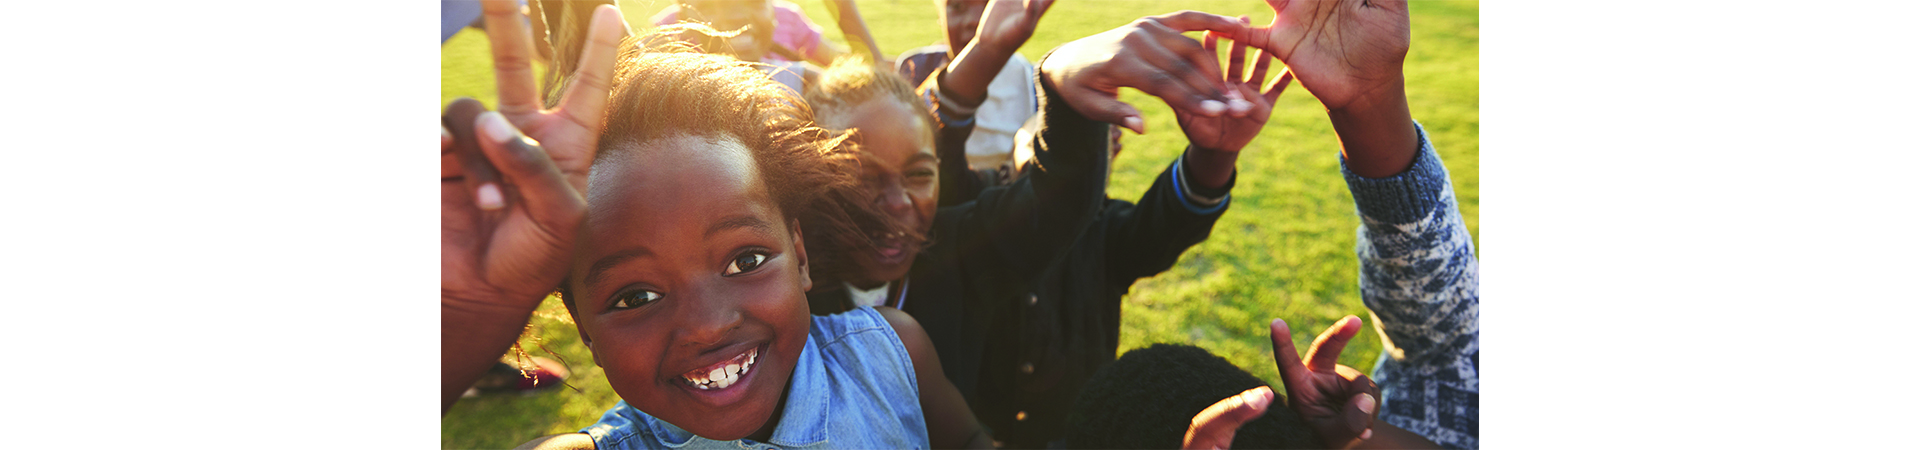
pixel 705 320
pixel 894 200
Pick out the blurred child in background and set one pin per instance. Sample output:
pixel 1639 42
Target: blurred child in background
pixel 979 280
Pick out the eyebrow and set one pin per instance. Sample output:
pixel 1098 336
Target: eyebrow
pixel 736 222
pixel 922 156
pixel 599 269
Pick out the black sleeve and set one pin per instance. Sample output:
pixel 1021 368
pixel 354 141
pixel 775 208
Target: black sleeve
pixel 1148 237
pixel 1027 225
pixel 958 183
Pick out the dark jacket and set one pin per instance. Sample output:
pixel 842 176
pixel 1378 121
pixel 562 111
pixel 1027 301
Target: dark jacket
pixel 1020 288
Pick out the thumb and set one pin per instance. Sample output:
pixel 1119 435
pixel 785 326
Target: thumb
pixel 1102 107
pixel 1214 427
pixel 1359 414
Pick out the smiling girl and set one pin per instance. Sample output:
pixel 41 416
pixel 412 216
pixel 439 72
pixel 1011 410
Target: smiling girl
pixel 667 193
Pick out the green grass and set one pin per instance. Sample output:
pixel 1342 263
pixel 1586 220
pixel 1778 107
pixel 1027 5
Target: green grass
pixel 1284 249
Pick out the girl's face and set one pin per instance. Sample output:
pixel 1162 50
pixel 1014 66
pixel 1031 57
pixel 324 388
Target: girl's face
pixel 900 168
pixel 962 19
pixel 690 285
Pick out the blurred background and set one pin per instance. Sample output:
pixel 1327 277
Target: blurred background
pixel 1284 249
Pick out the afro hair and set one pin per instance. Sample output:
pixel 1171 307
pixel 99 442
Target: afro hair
pixel 1148 397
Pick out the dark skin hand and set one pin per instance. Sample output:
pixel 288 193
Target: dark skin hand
pixel 1217 141
pixel 1151 55
pixel 510 194
pixel 1349 54
pixel 1004 27
pixel 1337 402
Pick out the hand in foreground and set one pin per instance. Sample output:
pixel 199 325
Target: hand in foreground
pixel 1150 55
pixel 1227 133
pixel 510 202
pixel 1342 50
pixel 1349 54
pixel 1337 402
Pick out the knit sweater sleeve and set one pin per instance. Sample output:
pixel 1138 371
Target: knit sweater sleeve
pixel 1420 279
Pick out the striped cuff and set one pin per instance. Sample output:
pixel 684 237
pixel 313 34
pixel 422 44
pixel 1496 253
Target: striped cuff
pixel 1405 197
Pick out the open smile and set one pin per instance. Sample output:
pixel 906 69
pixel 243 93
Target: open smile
pixel 724 382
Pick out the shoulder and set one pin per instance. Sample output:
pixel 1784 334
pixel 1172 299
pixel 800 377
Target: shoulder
pixel 912 336
pixel 569 441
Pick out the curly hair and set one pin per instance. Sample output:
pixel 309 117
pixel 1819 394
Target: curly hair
pixel 851 82
pixel 1148 397
pixel 663 87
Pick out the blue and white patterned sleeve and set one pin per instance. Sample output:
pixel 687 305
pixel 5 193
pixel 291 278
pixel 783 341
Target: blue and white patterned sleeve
pixel 1419 278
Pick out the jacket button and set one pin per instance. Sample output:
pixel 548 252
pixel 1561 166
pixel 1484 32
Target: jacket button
pixel 1020 416
pixel 1033 299
pixel 1026 368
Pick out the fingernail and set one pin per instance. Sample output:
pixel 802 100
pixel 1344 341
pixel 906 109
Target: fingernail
pixel 444 135
pixel 1366 404
pixel 495 127
pixel 1261 398
pixel 1240 107
pixel 1212 107
pixel 1365 435
pixel 489 197
pixel 1134 123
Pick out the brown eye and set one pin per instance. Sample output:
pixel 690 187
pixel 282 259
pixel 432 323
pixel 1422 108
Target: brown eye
pixel 634 299
pixel 745 263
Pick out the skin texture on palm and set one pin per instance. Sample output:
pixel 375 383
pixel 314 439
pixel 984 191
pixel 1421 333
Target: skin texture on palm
pixel 1349 53
pixel 1217 140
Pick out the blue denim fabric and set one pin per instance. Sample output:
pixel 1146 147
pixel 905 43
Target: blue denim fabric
pixel 853 387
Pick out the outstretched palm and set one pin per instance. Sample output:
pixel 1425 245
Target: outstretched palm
pixel 1341 50
pixel 1225 132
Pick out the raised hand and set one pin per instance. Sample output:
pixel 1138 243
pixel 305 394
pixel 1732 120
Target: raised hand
pixel 1007 24
pixel 1338 402
pixel 1227 133
pixel 1150 55
pixel 1342 50
pixel 504 240
pixel 1349 54
pixel 511 184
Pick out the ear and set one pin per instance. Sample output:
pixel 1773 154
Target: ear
pixel 586 339
pixel 800 255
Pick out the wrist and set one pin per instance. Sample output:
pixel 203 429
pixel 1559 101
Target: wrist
pixel 1209 169
pixel 968 75
pixel 1376 131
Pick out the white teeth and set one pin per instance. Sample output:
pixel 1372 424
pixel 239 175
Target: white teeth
pixel 721 377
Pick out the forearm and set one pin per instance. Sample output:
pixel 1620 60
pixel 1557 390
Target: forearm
pixel 1148 237
pixel 1418 272
pixel 1387 436
pixel 1210 169
pixel 1376 131
pixel 968 75
pixel 472 338
pixel 854 28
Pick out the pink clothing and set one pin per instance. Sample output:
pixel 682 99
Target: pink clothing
pixel 791 29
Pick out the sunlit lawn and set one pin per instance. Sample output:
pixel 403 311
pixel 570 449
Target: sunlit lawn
pixel 1284 249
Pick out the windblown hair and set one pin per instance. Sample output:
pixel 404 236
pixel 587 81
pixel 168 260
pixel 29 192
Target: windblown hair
pixel 662 87
pixel 853 81
pixel 1148 398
